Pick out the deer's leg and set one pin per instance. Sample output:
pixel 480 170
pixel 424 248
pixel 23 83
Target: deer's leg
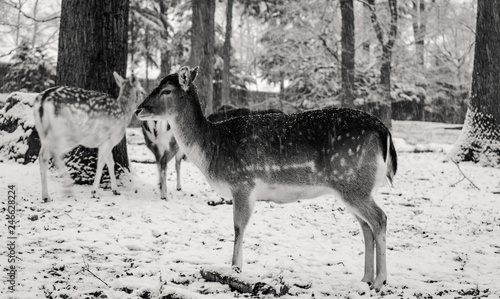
pixel 162 171
pixel 101 160
pixel 43 160
pixel 110 162
pixel 380 241
pixel 58 156
pixel 369 251
pixel 61 167
pixel 243 203
pixel 375 218
pixel 178 160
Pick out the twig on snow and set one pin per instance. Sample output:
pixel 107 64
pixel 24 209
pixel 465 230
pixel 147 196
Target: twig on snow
pixel 464 176
pixel 65 214
pixel 86 268
pixel 162 285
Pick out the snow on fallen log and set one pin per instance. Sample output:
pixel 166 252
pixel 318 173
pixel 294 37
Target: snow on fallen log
pixel 237 282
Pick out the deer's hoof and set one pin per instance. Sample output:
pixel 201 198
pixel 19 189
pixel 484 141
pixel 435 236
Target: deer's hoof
pixel 236 269
pixel 46 199
pixel 368 280
pixel 377 286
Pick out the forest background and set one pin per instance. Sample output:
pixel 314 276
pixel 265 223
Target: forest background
pixel 283 54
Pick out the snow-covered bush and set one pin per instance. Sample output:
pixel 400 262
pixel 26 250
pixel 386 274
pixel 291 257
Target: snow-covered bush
pixel 30 71
pixel 18 137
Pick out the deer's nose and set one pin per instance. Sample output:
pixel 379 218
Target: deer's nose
pixel 138 110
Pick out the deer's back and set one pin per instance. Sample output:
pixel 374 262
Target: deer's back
pixel 78 100
pixel 311 147
pixel 79 116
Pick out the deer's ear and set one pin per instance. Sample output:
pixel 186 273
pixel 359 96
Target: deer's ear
pixel 184 78
pixel 119 80
pixel 194 73
pixel 132 79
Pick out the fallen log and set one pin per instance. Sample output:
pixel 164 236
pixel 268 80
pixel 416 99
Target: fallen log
pixel 236 283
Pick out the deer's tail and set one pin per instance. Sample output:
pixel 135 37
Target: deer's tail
pixel 40 114
pixel 391 158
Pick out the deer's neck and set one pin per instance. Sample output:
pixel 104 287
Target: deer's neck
pixel 128 107
pixel 191 129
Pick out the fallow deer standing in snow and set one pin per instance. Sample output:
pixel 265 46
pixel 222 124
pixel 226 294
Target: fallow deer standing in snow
pixel 284 158
pixel 161 142
pixel 66 117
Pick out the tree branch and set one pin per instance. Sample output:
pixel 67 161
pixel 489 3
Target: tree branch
pixel 57 16
pixel 87 268
pixel 464 176
pixel 7 54
pixel 323 40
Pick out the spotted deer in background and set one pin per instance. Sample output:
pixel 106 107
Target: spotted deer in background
pixel 66 117
pixel 284 158
pixel 160 140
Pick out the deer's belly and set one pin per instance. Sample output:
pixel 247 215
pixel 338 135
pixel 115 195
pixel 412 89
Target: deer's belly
pixel 281 193
pixel 278 193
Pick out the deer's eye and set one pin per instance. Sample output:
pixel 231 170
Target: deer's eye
pixel 165 92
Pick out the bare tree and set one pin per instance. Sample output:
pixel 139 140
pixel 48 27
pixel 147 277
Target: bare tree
pixel 347 41
pixel 366 38
pixel 419 24
pixel 226 55
pixel 480 137
pixel 387 42
pixel 202 49
pixel 165 63
pixel 93 44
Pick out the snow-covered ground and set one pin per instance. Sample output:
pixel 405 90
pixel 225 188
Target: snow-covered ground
pixel 443 237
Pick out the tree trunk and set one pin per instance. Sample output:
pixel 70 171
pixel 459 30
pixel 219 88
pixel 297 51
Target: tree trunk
pixel 93 44
pixel 226 56
pixel 165 64
pixel 366 45
pixel 480 137
pixel 385 111
pixel 419 23
pixel 202 50
pixel 35 25
pixel 347 40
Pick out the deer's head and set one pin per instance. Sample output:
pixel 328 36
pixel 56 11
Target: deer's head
pixel 166 99
pixel 130 89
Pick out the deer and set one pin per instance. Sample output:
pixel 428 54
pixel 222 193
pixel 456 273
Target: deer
pixel 66 117
pixel 160 140
pixel 284 158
